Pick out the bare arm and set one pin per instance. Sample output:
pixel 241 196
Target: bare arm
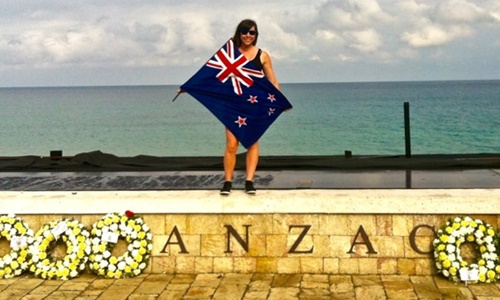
pixel 268 69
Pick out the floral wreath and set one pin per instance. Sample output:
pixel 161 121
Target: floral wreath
pixel 105 234
pixel 447 252
pixel 20 236
pixel 76 237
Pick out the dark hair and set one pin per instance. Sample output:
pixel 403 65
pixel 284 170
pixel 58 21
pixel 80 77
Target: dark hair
pixel 245 25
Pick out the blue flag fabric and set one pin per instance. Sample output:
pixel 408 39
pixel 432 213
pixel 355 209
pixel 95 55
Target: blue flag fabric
pixel 238 94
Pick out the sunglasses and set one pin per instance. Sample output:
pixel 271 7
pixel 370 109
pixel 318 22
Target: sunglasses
pixel 245 31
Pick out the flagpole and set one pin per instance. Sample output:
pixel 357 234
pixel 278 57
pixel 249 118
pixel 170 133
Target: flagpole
pixel 178 93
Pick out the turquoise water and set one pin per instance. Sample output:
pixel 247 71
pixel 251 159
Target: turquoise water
pixel 447 117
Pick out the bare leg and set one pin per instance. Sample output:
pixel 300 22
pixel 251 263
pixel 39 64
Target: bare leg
pixel 230 155
pixel 252 160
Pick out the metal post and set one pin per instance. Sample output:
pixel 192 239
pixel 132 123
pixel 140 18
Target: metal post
pixel 407 130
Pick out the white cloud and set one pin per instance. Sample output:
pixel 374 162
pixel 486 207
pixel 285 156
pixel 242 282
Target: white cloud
pixel 120 35
pixel 460 11
pixel 435 35
pixel 367 40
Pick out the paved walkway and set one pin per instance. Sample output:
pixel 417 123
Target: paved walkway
pixel 245 286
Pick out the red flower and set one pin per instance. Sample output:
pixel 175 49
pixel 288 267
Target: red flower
pixel 129 214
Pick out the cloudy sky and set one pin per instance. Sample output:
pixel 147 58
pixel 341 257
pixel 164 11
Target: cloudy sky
pixel 125 42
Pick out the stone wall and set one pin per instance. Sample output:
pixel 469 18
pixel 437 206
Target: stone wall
pixel 288 243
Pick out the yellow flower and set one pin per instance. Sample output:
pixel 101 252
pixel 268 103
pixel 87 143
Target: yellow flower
pixel 82 246
pixel 448 230
pixel 21 259
pixel 137 228
pixel 442 256
pixel 463 263
pixel 76 231
pixel 491 232
pixel 471 238
pixel 455 225
pixel 481 262
pixel 464 223
pixel 118 274
pixel 14 264
pixel 22 230
pixel 80 239
pixel 473 224
pixel 102 248
pixel 113 260
pixel 444 238
pixel 482 228
pixel 7 270
pixel 116 219
pixel 142 251
pixel 490 274
pixel 138 258
pixel 63 273
pixel 128 269
pixel 447 264
pixel 453 271
pixel 141 235
pixel 144 244
pixel 482 248
pixel 482 277
pixel 134 265
pixel 100 224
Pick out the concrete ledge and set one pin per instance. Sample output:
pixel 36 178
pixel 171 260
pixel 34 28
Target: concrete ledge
pixel 391 201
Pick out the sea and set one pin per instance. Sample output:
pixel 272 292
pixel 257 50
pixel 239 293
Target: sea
pixel 366 118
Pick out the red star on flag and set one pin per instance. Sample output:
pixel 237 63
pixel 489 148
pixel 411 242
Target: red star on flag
pixel 271 111
pixel 271 98
pixel 253 99
pixel 241 121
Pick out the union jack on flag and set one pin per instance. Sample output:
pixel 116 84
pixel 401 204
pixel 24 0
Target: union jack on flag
pixel 237 93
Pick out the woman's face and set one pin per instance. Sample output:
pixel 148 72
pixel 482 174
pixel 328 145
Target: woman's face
pixel 248 36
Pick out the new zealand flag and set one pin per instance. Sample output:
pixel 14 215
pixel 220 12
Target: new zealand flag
pixel 238 94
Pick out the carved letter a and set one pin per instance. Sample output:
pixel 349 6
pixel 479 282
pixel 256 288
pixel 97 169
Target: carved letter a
pixel 366 241
pixel 180 242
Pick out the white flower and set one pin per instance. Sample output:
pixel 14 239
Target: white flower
pixel 112 267
pixel 103 264
pixel 122 265
pixel 490 264
pixel 7 259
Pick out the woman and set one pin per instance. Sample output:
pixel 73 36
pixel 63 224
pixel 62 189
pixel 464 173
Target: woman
pixel 245 38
